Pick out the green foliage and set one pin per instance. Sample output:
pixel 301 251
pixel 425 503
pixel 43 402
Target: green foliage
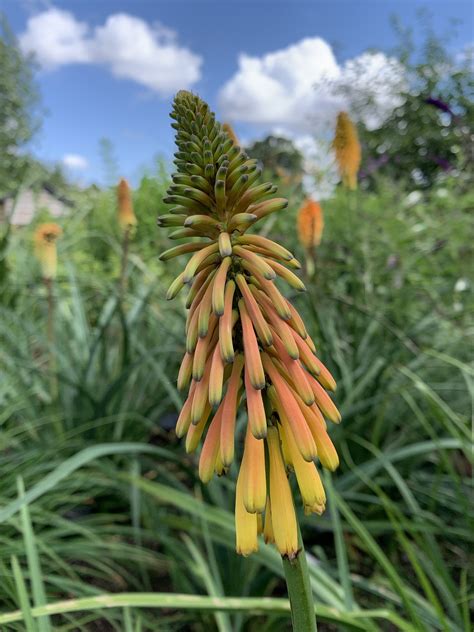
pixel 277 155
pixel 18 101
pixel 102 515
pixel 430 133
pixel 112 504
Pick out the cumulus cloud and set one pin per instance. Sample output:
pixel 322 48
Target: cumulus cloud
pixel 303 87
pixel 128 46
pixel 75 161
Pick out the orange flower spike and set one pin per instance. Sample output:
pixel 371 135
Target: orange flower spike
pixel 257 419
pixel 310 224
pixel 347 149
pixel 253 361
pixel 291 409
pixel 246 524
pixel 126 216
pixel 229 411
pixel 284 524
pixel 45 248
pixel 235 310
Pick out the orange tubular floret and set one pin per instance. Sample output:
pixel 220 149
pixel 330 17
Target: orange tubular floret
pixel 284 525
pixel 324 402
pixel 290 406
pixel 216 377
pixel 261 327
pixel 253 468
pixel 296 372
pixel 210 448
pixel 309 482
pixel 307 357
pixel 326 451
pixel 257 419
pixel 229 412
pixel 184 419
pixel 201 394
pixel 225 325
pixel 195 431
pixel 252 353
pixel 278 324
pixel 246 524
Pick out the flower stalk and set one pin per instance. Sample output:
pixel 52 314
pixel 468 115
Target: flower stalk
pixel 127 222
pixel 298 583
pixel 45 238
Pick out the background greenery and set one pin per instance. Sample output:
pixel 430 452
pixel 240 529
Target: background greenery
pixel 100 503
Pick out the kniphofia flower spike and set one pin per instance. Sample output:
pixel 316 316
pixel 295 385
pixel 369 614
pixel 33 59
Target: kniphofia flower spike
pixel 45 248
pixel 126 216
pixel 310 224
pixel 245 343
pixel 347 149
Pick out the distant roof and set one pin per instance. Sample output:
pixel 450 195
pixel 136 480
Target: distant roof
pixel 21 209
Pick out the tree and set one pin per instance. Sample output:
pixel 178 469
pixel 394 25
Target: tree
pixel 430 132
pixel 18 109
pixel 277 155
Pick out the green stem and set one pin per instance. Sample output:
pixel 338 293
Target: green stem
pixel 299 591
pixel 123 265
pixel 51 340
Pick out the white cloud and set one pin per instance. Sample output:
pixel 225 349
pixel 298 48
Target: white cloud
pixel 303 87
pixel 75 161
pixel 128 46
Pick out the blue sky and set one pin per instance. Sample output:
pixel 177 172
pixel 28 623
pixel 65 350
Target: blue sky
pixel 108 70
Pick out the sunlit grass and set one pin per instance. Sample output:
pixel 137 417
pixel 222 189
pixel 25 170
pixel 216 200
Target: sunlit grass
pixel 97 497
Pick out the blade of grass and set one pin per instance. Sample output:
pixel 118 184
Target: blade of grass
pixel 341 552
pixel 70 465
pixel 34 568
pixel 376 552
pixel 26 614
pixel 256 606
pixel 222 619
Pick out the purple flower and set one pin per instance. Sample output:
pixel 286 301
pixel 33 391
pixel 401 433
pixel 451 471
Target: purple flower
pixel 441 105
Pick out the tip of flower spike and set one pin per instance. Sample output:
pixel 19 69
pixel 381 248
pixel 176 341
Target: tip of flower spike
pixel 48 232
